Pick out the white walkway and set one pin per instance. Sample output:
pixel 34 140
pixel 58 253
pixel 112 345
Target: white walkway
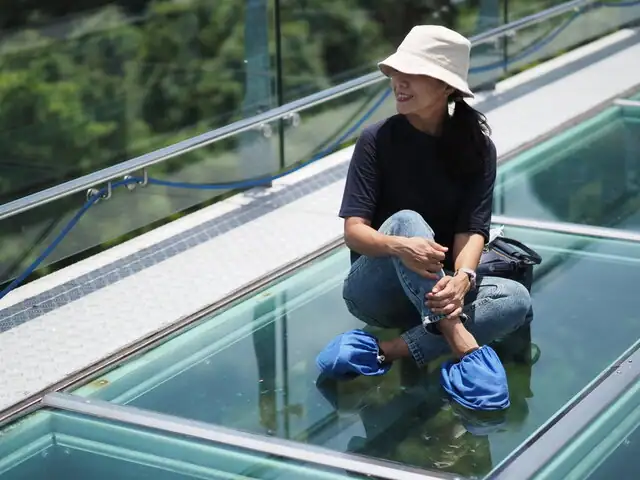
pixel 72 318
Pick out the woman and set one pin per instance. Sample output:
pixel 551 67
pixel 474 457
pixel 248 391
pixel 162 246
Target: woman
pixel 417 209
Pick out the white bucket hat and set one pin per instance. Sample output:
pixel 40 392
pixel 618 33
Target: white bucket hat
pixel 434 51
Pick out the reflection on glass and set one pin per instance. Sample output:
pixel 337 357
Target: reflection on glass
pixel 607 449
pixel 589 174
pixel 57 445
pixel 252 367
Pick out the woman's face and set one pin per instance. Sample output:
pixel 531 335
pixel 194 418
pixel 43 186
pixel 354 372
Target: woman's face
pixel 418 93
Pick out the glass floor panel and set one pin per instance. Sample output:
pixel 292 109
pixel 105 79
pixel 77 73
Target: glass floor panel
pixel 607 449
pixel 252 367
pixel 54 445
pixel 589 174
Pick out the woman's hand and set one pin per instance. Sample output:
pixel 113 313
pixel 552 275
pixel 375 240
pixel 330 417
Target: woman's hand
pixel 447 296
pixel 423 256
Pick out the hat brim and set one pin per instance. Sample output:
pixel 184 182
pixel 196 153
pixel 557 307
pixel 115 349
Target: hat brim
pixel 413 65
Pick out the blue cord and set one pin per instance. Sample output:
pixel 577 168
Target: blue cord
pixel 154 181
pixel 266 180
pixel 65 231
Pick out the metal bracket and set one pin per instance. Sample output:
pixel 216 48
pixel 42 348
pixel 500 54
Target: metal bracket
pixel 266 130
pixel 293 119
pixel 132 185
pixel 92 192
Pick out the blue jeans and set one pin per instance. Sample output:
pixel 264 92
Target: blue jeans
pixel 383 292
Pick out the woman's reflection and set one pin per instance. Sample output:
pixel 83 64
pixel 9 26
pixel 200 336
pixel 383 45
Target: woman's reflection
pixel 270 342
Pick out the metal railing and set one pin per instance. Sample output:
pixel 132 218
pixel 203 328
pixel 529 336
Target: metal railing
pixel 141 163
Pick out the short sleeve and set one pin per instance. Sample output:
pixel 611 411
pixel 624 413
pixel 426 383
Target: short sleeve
pixel 475 216
pixel 362 185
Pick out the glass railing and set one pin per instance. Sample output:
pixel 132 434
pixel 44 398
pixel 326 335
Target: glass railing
pixel 87 89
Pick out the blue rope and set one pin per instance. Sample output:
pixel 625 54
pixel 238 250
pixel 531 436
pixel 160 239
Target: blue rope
pixel 65 231
pixel 218 186
pixel 266 180
pixel 256 182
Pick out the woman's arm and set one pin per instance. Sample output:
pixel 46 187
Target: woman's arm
pixel 467 250
pixel 361 238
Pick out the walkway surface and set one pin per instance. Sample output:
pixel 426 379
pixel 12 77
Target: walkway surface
pixel 62 323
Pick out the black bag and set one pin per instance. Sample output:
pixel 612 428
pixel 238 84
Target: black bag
pixel 509 258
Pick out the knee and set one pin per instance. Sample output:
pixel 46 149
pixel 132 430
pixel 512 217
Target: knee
pixel 407 223
pixel 517 300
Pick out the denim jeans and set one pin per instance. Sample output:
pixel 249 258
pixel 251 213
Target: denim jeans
pixel 383 292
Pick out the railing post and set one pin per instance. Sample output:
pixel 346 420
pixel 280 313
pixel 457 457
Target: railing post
pixel 279 78
pixel 256 147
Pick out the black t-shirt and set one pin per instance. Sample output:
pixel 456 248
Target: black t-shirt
pixel 397 167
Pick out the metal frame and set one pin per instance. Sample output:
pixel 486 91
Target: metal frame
pixel 567 227
pixel 271 446
pixel 535 453
pixel 139 164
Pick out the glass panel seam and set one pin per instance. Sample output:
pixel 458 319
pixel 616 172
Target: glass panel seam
pixel 568 227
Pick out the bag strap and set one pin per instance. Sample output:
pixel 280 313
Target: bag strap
pixel 532 257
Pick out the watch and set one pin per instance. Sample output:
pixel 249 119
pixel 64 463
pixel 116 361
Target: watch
pixel 471 274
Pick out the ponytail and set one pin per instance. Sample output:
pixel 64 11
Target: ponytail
pixel 464 139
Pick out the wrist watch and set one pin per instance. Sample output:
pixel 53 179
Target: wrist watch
pixel 469 273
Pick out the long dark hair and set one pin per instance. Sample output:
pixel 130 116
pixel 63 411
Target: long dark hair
pixel 465 143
